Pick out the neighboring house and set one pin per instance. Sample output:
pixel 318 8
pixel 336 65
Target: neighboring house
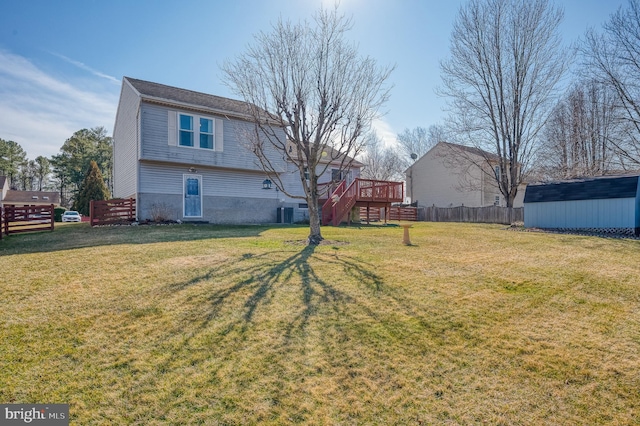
pixel 4 188
pixel 21 198
pixel 186 154
pixel 608 203
pixel 335 172
pixel 451 175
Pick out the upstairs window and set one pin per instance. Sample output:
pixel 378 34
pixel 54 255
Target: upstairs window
pixel 186 130
pixel 196 131
pixel 206 133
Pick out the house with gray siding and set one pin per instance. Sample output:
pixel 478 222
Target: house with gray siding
pixel 602 204
pixel 186 154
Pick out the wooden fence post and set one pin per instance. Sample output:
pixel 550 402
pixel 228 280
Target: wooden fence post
pixel 91 213
pixel 6 221
pixel 51 218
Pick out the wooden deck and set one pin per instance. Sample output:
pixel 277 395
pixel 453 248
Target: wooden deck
pixel 361 193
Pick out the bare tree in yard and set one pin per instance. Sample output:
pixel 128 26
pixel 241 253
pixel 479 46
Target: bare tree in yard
pixel 576 138
pixel 613 58
pixel 380 163
pixel 502 77
pixel 308 80
pixel 413 141
pixel 418 141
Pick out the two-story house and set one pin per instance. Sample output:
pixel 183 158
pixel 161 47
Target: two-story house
pixel 187 153
pixel 451 175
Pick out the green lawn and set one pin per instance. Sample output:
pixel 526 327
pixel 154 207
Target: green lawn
pixel 187 324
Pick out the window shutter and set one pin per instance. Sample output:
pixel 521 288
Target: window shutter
pixel 173 133
pixel 219 143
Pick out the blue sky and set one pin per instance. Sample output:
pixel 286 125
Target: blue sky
pixel 62 62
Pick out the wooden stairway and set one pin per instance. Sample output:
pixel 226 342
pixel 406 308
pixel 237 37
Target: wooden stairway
pixel 361 192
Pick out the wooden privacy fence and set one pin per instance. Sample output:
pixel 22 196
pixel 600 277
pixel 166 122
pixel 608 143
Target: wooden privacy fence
pixel 17 219
pixel 491 214
pixel 403 213
pixel 112 211
pixel 395 213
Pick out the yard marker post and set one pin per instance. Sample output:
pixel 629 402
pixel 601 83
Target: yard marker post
pixel 405 238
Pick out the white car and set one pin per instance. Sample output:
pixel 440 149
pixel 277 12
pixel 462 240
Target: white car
pixel 71 216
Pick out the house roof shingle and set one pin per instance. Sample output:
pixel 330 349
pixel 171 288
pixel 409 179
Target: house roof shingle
pixel 473 150
pixel 32 197
pixel 595 188
pixel 160 92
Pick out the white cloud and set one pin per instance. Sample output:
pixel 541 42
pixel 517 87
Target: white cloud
pixel 87 68
pixel 385 132
pixel 40 111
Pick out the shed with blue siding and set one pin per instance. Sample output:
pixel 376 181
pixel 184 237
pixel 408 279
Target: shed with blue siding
pixel 602 204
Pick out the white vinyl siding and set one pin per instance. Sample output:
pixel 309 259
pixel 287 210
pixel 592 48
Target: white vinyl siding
pixel 125 144
pixel 160 141
pixel 160 178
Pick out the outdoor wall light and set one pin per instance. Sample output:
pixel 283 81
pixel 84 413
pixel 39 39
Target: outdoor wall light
pixel 266 184
pixel 192 170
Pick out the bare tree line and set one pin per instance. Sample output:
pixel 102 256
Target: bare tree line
pixel 63 172
pixel 513 95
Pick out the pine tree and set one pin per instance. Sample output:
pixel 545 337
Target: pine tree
pixel 92 188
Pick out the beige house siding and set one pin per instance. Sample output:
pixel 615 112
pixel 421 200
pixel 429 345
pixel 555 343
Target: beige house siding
pixel 4 187
pixel 448 177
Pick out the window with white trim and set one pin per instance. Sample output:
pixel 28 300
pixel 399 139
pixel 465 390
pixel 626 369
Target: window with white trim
pixel 192 128
pixel 186 130
pixel 206 133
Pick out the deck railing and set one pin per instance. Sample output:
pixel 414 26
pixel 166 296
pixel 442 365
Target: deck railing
pixel 343 199
pixel 379 191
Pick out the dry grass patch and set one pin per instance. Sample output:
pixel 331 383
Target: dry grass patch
pixel 237 325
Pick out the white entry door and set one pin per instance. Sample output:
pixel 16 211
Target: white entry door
pixel 192 196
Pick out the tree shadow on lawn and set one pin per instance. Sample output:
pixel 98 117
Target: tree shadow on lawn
pixel 264 277
pixel 75 236
pixel 265 282
pixel 270 326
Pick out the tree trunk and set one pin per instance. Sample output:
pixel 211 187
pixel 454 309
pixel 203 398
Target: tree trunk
pixel 314 220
